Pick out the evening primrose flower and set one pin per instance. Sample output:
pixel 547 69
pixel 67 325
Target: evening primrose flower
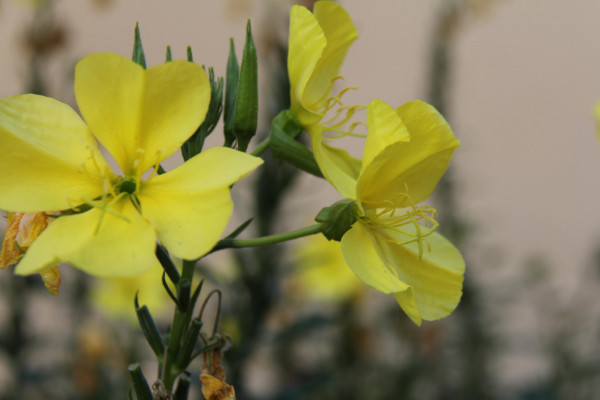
pixel 318 43
pixel 110 221
pixel 393 245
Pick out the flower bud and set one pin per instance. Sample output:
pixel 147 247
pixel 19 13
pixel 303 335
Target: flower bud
pixel 337 219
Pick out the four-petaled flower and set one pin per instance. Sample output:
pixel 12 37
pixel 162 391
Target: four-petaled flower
pixel 109 223
pixel 393 245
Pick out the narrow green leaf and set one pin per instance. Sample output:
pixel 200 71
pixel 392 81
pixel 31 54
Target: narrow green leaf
pixel 183 388
pixel 190 56
pixel 169 57
pixel 246 104
pixel 138 51
pixel 231 83
pixel 150 330
pixel 140 384
pixel 167 264
pixel 189 344
pixel 239 229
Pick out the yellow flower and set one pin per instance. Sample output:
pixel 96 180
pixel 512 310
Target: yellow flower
pixel 322 271
pixel 114 296
pixel 393 245
pixel 318 43
pixel 109 223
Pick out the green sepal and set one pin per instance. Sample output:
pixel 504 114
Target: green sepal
pixel 138 50
pixel 167 264
pixel 337 219
pixel 183 388
pixel 194 144
pixel 140 384
pixel 190 56
pixel 245 119
pixel 189 343
pixel 149 329
pixel 231 83
pixel 168 57
pixel 284 129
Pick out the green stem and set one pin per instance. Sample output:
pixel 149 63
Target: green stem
pixel 262 146
pixel 178 330
pixel 187 270
pixel 271 239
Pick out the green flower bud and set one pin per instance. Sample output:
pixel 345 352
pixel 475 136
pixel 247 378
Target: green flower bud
pixel 138 51
pixel 246 103
pixel 284 129
pixel 337 219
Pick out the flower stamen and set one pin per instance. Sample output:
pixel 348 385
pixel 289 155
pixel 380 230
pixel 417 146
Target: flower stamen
pixel 387 218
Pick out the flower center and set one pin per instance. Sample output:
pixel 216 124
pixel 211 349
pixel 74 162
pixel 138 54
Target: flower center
pixel 126 185
pixel 403 222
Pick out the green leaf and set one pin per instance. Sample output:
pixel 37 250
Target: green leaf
pixel 231 84
pixel 189 344
pixel 246 104
pixel 150 330
pixel 138 51
pixel 140 384
pixel 167 264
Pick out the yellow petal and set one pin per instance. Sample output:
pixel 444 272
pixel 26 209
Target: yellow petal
pixel 114 296
pixel 190 205
pixel 340 33
pixel 48 158
pixel 337 166
pixel 436 279
pixel 101 244
pixel 322 272
pixel 306 44
pixel 416 166
pixel 140 116
pixel 385 128
pixel 362 256
pixel 407 301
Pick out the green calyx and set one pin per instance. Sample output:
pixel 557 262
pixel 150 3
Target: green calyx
pixel 337 219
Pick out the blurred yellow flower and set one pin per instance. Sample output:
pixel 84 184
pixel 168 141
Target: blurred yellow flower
pixel 393 245
pixel 114 296
pixel 109 223
pixel 321 270
pixel 318 43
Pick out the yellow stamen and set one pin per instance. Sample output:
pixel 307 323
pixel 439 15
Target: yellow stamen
pixel 422 218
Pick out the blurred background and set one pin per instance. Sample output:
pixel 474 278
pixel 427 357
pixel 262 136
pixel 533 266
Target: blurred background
pixel 516 79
